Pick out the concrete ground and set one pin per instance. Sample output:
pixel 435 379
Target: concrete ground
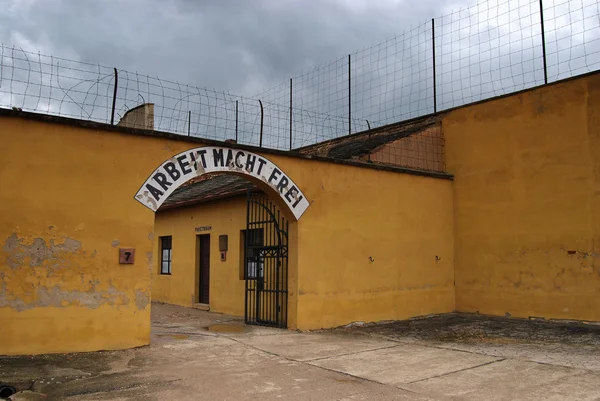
pixel 198 355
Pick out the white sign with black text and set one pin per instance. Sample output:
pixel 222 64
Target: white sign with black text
pixel 212 159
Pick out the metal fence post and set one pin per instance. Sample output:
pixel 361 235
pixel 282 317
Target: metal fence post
pixel 291 114
pixel 262 116
pixel 236 121
pixel 369 139
pixel 189 121
pixel 434 77
pixel 349 99
pixel 543 42
pixel 112 114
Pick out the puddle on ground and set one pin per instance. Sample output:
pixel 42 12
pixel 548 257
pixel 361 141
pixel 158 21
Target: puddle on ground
pixel 228 328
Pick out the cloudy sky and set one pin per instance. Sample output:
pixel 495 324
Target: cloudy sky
pixel 252 47
pixel 242 46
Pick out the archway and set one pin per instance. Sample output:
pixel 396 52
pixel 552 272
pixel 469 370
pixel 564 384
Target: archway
pixel 182 167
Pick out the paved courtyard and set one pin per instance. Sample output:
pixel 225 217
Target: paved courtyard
pixel 198 355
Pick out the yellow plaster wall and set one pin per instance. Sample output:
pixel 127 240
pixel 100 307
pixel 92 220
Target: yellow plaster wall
pixel 66 206
pixel 401 221
pixel 524 221
pixel 527 202
pixel 227 290
pixel 225 217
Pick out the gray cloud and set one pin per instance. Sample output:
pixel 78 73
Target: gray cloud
pixel 239 46
pixel 253 47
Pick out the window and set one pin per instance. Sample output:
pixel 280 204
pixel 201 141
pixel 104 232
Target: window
pixel 251 263
pixel 166 252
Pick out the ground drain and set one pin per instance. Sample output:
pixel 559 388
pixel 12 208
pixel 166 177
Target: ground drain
pixel 228 328
pixel 6 391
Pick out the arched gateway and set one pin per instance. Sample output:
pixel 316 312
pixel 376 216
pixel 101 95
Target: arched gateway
pixel 184 166
pixel 266 235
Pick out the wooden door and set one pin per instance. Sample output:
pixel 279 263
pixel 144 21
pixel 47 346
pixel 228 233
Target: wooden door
pixel 204 275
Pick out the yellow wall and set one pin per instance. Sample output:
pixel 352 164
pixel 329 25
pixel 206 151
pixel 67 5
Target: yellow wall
pixel 66 206
pixel 518 230
pixel 227 217
pixel 527 202
pixel 523 221
pixel 401 221
pixel 227 287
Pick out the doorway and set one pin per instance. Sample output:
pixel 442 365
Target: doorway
pixel 266 257
pixel 204 269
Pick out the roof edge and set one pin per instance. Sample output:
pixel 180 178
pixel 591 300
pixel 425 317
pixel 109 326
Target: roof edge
pixel 4 112
pixel 441 113
pixel 377 130
pixel 192 202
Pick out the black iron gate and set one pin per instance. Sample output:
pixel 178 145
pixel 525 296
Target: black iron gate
pixel 266 263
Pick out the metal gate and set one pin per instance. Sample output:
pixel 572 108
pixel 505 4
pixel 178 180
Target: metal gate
pixel 266 263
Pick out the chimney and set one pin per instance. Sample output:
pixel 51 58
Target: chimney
pixel 141 117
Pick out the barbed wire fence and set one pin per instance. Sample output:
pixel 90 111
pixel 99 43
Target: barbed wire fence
pixel 489 49
pixel 57 86
pixel 492 48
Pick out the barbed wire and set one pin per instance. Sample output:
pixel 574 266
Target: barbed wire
pixel 492 48
pixel 70 88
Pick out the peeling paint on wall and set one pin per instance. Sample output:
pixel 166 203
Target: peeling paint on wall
pixel 149 260
pixel 56 297
pixel 60 298
pixel 39 252
pixel 141 299
pixel 43 259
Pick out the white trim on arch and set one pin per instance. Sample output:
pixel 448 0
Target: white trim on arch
pixel 172 173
